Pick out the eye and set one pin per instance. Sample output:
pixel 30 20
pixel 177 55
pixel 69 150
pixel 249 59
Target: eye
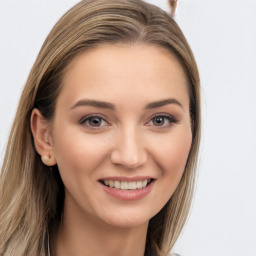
pixel 162 121
pixel 93 121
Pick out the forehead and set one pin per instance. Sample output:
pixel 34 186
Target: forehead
pixel 137 71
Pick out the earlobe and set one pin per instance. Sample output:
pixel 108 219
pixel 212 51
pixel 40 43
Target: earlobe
pixel 48 160
pixel 42 137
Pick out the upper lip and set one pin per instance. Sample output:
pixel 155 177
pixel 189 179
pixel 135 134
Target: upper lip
pixel 124 178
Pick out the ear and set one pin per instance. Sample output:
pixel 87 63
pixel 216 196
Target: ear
pixel 41 131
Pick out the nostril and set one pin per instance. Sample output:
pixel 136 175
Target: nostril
pixel 128 150
pixel 128 159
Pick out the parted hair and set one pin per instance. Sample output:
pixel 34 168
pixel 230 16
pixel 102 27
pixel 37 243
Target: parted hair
pixel 32 195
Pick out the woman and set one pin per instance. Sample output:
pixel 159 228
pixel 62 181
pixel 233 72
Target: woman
pixel 102 154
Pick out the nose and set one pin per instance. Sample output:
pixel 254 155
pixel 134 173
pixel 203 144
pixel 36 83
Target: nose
pixel 129 150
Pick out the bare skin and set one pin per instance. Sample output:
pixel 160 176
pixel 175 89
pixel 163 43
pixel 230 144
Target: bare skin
pixel 122 115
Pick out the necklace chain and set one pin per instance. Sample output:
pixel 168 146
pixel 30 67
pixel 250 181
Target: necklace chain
pixel 48 243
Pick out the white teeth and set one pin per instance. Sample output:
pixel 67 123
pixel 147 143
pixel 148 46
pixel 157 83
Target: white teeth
pixel 111 183
pixel 117 184
pixel 139 184
pixel 132 185
pixel 125 185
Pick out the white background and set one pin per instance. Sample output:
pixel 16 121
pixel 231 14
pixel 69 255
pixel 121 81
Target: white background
pixel 222 35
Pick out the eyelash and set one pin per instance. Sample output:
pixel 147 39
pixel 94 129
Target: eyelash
pixel 169 118
pixel 90 117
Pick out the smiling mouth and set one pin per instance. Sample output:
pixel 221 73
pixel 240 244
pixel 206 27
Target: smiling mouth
pixel 126 185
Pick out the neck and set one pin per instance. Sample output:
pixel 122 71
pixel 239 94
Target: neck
pixel 86 236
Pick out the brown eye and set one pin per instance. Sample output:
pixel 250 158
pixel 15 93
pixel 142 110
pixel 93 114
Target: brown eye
pixel 159 121
pixel 95 121
pixel 162 121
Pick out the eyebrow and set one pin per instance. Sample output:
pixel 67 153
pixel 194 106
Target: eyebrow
pixel 107 105
pixel 164 102
pixel 94 103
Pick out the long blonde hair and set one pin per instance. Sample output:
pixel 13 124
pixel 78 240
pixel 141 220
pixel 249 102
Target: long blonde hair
pixel 31 196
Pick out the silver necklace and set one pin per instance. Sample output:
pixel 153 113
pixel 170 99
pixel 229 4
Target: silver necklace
pixel 48 243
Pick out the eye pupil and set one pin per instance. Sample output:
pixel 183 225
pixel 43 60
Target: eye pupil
pixel 95 121
pixel 158 121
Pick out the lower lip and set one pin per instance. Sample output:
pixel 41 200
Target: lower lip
pixel 128 195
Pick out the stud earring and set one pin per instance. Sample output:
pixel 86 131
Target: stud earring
pixel 48 160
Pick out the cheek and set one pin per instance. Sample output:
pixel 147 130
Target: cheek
pixel 77 153
pixel 173 157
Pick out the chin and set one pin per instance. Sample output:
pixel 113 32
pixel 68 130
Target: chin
pixel 127 219
pixel 127 224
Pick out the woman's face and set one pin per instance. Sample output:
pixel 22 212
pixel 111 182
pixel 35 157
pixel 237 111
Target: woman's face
pixel 121 133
